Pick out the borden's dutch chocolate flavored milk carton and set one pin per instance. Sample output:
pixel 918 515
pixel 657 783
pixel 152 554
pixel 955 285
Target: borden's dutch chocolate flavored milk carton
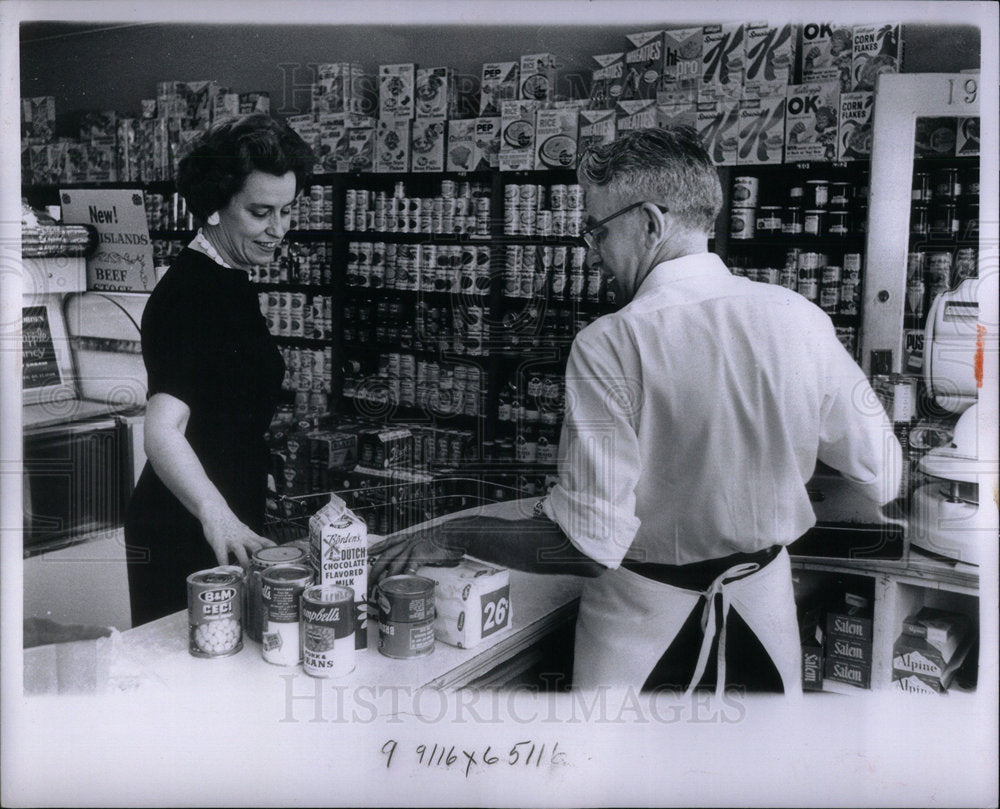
pixel 338 549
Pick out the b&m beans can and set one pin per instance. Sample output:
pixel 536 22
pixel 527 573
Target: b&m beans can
pixel 327 628
pixel 281 588
pixel 405 616
pixel 215 612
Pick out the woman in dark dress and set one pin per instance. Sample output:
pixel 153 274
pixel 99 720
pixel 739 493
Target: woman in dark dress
pixel 214 372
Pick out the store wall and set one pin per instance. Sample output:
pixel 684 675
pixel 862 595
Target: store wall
pixel 88 68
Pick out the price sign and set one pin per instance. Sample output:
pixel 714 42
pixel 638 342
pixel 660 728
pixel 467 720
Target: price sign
pixel 496 614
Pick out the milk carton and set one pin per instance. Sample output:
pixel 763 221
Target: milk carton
pixel 471 602
pixel 597 127
pixel 826 53
pixel 392 145
pixel 517 135
pixel 607 80
pixel 461 152
pixel 761 130
pixel 875 50
pixel 643 66
pixel 681 66
pixel 427 144
pixel 338 549
pixel 435 92
pixel 487 143
pixel 395 90
pixel 770 59
pixel 723 60
pixel 717 123
pixel 499 82
pixel 854 130
pixel 635 114
pixel 556 138
pixel 537 78
pixel 811 122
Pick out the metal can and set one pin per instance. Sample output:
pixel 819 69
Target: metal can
pixel 814 222
pixel 920 223
pixel 915 292
pixel 944 219
pixel 742 222
pixel 817 193
pixel 259 562
pixel 849 294
pixel 916 264
pixel 557 197
pixel 921 188
pixel 829 298
pixel 769 219
pixel 793 220
pixel 281 588
pixel 969 224
pixel 745 190
pixel 215 612
pixel 840 194
pixel 405 616
pixel 966 265
pixel 969 180
pixel 574 197
pixel 838 223
pixel 327 630
pixel 830 275
pixel 945 184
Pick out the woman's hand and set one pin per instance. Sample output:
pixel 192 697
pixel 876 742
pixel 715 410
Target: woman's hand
pixel 407 552
pixel 227 535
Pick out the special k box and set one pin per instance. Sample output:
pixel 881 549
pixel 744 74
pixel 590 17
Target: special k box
pixel 875 50
pixel 826 53
pixel 636 113
pixel 517 135
pixel 392 145
pixel 723 60
pixel 854 128
pixel 597 127
pixel 717 123
pixel 395 90
pixel 556 138
pixel 607 80
pixel 461 152
pixel 435 92
pixel 811 122
pixel 681 65
pixel 537 79
pixel 762 130
pixel 427 144
pixel 499 82
pixel 770 59
pixel 643 66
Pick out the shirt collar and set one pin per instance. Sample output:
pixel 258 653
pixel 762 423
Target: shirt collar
pixel 701 265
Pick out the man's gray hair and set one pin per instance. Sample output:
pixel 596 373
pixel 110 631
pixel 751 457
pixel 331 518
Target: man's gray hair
pixel 668 166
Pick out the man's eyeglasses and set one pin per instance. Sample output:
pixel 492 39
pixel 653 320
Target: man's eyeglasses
pixel 590 234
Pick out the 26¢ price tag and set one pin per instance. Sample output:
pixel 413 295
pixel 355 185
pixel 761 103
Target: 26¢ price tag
pixel 496 612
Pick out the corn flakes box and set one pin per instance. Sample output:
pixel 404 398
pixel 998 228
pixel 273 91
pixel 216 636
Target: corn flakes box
pixel 717 123
pixel 827 50
pixel 637 113
pixel 435 92
pixel 681 66
pixel 499 82
pixel 811 117
pixel 643 66
pixel 537 77
pixel 854 127
pixel 875 50
pixel 556 138
pixel 597 127
pixel 395 90
pixel 770 59
pixel 427 138
pixel 607 80
pixel 487 143
pixel 761 130
pixel 392 145
pixel 723 61
pixel 517 135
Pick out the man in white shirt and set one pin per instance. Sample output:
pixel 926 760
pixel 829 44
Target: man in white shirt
pixel 694 418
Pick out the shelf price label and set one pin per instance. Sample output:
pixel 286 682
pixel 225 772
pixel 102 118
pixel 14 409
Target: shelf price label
pixel 496 614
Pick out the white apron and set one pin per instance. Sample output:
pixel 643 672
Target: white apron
pixel 628 621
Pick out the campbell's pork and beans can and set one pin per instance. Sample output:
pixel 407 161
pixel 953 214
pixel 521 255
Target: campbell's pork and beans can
pixel 215 612
pixel 327 627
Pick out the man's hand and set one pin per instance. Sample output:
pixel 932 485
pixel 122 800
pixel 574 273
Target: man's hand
pixel 407 552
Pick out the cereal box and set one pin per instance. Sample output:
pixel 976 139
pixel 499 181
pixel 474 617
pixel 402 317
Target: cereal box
pixel 427 144
pixel 762 130
pixel 227 105
pixel 395 90
pixel 310 131
pixel 635 113
pixel 826 53
pixel 198 102
pixel 717 123
pixel 723 61
pixel 669 116
pixel 967 137
pixel 392 145
pixel 537 78
pixel 435 92
pixel 126 149
pixel 517 135
pixel 499 83
pixel 337 88
pixel 681 66
pixel 332 140
pixel 255 101
pixel 875 50
pixel 770 59
pixel 934 137
pixel 461 152
pixel 556 138
pixel 607 80
pixel 99 126
pixel 487 143
pixel 38 118
pixel 147 108
pixel 102 166
pixel 360 152
pixel 643 66
pixel 597 127
pixel 854 130
pixel 811 122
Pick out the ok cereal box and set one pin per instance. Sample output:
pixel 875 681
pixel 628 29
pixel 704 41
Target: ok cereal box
pixel 826 53
pixel 875 50
pixel 811 122
pixel 717 123
pixel 854 130
pixel 762 130
pixel 395 90
pixel 770 59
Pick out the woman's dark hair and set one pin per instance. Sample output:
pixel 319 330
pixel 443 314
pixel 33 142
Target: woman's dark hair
pixel 224 156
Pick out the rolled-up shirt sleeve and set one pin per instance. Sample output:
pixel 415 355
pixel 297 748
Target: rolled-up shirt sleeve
pixel 599 460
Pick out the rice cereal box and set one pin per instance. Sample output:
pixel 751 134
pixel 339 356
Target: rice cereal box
pixel 338 549
pixel 471 602
pixel 717 123
pixel 597 127
pixel 854 129
pixel 811 122
pixel 392 145
pixel 875 50
pixel 395 90
pixel 607 80
pixel 643 66
pixel 427 144
pixel 770 59
pixel 499 82
pixel 487 143
pixel 537 77
pixel 556 138
pixel 637 113
pixel 826 53
pixel 670 116
pixel 723 61
pixel 517 135
pixel 762 130
pixel 967 136
pixel 435 92
pixel 681 66
pixel 461 152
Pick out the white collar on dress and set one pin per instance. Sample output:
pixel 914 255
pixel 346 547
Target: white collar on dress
pixel 202 245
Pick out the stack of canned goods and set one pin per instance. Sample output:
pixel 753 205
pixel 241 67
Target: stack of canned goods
pixel 931 272
pixel 168 212
pixel 537 271
pixel 945 203
pixel 298 263
pixel 813 207
pixel 426 267
pixel 446 388
pixel 313 209
pixel 534 210
pixel 442 447
pixel 834 287
pixel 459 209
pixel 297 314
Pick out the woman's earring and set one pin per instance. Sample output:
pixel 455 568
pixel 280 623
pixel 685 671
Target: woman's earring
pixel 213 218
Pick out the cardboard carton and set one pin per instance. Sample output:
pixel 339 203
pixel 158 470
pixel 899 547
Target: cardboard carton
pixel 875 50
pixel 392 145
pixel 607 80
pixel 826 53
pixel 854 127
pixel 436 92
pixel 499 82
pixel 723 61
pixel 811 117
pixel 717 124
pixel 556 138
pixel 537 77
pixel 643 66
pixel 597 127
pixel 681 80
pixel 427 138
pixel 517 135
pixel 770 59
pixel 762 130
pixel 396 89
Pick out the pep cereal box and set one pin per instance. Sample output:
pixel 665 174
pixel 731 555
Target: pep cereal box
pixel 556 139
pixel 461 150
pixel 643 66
pixel 607 80
pixel 811 122
pixel 537 77
pixel 487 143
pixel 875 50
pixel 597 127
pixel 392 145
pixel 770 59
pixel 669 116
pixel 517 135
pixel 499 82
pixel 854 129
pixel 826 53
pixel 762 130
pixel 635 114
pixel 435 92
pixel 395 90
pixel 717 123
pixel 681 66
pixel 723 61
pixel 427 144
